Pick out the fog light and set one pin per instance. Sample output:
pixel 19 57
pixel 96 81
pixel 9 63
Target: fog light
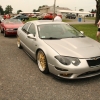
pixel 65 75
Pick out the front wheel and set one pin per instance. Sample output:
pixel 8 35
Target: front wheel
pixel 19 43
pixel 5 35
pixel 42 62
pixel 1 30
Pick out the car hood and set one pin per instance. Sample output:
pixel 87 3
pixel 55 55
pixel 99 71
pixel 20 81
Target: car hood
pixel 75 47
pixel 12 25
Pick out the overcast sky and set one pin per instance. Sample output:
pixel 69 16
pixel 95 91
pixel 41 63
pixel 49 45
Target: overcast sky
pixel 29 5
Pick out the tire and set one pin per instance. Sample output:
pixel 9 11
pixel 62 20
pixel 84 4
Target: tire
pixel 1 31
pixel 5 35
pixel 19 43
pixel 42 62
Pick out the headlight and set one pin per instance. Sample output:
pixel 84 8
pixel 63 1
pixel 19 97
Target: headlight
pixel 68 60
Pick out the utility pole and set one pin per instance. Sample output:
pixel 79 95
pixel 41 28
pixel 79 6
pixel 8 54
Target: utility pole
pixel 54 7
pixel 75 8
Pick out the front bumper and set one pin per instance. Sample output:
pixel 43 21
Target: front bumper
pixel 11 32
pixel 74 72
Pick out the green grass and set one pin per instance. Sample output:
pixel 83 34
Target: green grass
pixel 30 19
pixel 90 18
pixel 89 30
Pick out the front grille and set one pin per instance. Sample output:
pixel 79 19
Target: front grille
pixel 93 62
pixel 89 73
pixel 15 28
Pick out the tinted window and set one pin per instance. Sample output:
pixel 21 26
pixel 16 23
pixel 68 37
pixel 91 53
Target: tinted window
pixel 32 29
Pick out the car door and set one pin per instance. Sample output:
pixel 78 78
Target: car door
pixel 23 35
pixel 32 43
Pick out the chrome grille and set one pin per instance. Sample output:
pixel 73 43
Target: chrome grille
pixel 15 28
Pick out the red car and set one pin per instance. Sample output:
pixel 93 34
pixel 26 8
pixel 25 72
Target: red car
pixel 10 26
pixel 50 16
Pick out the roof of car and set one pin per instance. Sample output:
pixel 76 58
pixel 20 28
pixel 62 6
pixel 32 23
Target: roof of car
pixel 38 22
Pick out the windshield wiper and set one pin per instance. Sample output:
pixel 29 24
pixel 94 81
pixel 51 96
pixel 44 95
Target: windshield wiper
pixel 51 38
pixel 81 36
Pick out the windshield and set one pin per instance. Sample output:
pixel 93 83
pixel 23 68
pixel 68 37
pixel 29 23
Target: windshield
pixel 58 31
pixel 11 21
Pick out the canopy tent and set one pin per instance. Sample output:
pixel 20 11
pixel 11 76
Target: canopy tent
pixel 70 11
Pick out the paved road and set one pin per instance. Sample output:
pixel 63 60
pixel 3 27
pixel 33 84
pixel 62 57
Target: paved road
pixel 83 21
pixel 20 79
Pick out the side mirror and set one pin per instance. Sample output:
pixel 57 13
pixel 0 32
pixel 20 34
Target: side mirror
pixel 82 32
pixel 31 36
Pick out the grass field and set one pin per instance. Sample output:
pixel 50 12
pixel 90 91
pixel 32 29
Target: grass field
pixel 89 29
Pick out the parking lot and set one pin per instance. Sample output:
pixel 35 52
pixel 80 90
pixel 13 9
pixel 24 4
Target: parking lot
pixel 20 79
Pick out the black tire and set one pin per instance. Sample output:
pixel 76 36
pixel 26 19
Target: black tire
pixel 42 62
pixel 19 43
pixel 5 35
pixel 1 31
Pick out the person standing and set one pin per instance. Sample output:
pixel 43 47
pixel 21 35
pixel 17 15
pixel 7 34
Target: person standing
pixel 98 32
pixel 57 18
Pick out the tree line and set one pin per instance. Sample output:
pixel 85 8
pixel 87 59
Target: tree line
pixel 9 9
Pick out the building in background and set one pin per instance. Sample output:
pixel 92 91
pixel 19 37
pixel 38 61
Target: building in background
pixel 50 9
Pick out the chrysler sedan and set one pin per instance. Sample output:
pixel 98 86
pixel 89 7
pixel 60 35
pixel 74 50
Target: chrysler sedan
pixel 60 49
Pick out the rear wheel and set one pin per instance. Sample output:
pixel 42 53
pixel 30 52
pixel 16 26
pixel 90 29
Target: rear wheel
pixel 19 43
pixel 42 62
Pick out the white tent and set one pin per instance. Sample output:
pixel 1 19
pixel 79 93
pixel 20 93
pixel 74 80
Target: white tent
pixel 70 11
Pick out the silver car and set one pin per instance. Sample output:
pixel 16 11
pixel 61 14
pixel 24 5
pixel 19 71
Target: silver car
pixel 60 49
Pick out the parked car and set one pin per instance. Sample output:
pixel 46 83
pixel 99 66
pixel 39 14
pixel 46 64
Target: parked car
pixel 41 16
pixel 71 16
pixel 21 17
pixel 47 16
pixel 10 26
pixel 60 49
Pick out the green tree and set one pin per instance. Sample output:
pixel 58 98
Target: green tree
pixel 34 10
pixel 18 11
pixel 1 10
pixel 8 9
pixel 97 11
pixel 81 9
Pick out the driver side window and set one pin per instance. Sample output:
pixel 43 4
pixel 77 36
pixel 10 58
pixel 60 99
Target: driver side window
pixel 32 29
pixel 25 27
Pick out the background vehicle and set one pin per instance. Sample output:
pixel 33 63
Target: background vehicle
pixel 71 16
pixel 47 16
pixel 21 17
pixel 60 49
pixel 10 26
